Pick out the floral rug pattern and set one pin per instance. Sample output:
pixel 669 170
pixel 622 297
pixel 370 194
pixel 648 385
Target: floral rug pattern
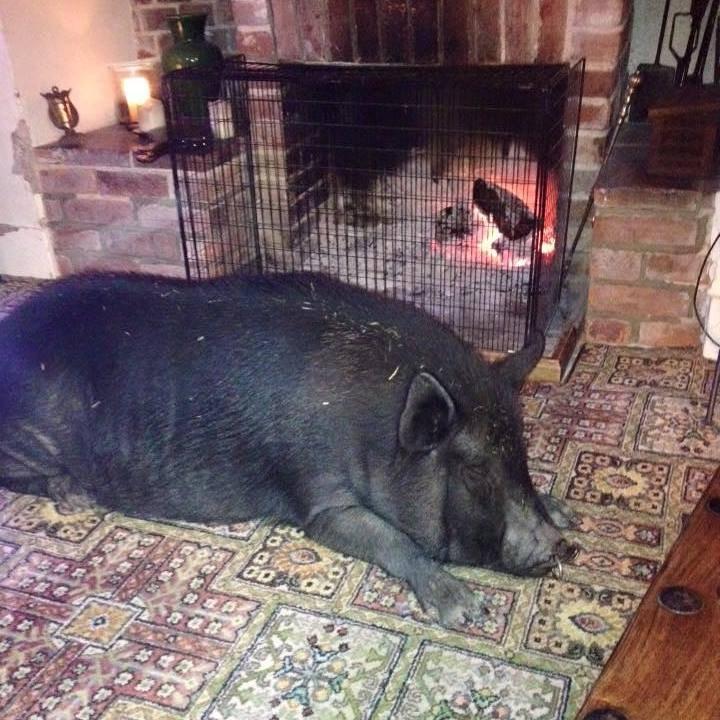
pixel 109 618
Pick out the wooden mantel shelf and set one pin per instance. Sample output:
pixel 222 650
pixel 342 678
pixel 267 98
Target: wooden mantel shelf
pixel 667 665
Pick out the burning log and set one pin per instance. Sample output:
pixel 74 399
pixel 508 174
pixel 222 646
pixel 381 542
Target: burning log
pixel 511 215
pixel 453 222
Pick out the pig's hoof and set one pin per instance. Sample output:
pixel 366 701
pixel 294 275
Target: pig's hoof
pixel 70 501
pixel 453 601
pixel 560 512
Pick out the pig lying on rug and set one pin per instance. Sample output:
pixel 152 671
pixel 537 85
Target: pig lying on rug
pixel 359 418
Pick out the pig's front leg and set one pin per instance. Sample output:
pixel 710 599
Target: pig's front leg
pixel 70 498
pixel 357 531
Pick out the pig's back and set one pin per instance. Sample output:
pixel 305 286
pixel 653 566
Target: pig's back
pixel 168 398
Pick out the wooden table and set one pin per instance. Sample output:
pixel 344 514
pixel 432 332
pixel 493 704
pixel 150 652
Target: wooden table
pixel 667 665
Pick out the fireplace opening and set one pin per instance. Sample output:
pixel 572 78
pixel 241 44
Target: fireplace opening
pixel 446 187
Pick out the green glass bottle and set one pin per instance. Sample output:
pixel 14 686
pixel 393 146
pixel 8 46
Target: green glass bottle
pixel 190 48
pixel 200 64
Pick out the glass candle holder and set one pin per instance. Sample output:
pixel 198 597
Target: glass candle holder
pixel 135 84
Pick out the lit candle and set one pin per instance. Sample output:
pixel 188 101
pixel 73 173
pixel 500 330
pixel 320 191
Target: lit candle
pixel 137 92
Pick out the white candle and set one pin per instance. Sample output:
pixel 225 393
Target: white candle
pixel 221 119
pixel 136 89
pixel 151 116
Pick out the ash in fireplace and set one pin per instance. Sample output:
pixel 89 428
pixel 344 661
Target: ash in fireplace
pixel 468 280
pixel 458 243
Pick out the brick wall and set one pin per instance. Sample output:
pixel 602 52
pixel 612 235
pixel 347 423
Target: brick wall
pixel 106 212
pixel 647 248
pixel 433 31
pixel 457 32
pixel 152 34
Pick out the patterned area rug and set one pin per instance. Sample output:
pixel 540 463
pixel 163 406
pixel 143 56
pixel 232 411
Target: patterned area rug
pixel 117 618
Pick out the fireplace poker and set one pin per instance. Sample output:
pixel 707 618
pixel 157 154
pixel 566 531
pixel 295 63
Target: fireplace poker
pixel 656 78
pixel 696 76
pixel 663 26
pixel 632 85
pixel 696 14
pixel 716 69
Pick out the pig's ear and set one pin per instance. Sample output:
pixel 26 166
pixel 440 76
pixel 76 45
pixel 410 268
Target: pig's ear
pixel 428 414
pixel 517 366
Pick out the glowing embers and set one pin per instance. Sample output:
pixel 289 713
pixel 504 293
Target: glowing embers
pixel 480 242
pixel 496 229
pixel 547 247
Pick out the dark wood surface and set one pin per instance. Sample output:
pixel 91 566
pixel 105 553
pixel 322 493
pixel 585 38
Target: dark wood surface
pixel 667 666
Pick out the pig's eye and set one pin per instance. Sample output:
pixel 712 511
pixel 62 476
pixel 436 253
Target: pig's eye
pixel 476 469
pixel 475 477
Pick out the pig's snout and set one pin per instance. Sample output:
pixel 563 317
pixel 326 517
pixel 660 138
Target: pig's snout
pixel 533 546
pixel 564 551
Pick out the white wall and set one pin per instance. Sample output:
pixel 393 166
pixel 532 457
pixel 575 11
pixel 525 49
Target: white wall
pixel 68 43
pixel 25 247
pixel 712 305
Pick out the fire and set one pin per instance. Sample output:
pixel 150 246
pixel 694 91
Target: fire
pixel 547 247
pixel 485 245
pixel 479 247
pixel 485 236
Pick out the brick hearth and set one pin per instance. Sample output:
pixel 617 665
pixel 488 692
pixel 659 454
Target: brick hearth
pixel 648 242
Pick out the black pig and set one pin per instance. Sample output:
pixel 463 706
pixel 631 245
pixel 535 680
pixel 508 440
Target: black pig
pixel 361 419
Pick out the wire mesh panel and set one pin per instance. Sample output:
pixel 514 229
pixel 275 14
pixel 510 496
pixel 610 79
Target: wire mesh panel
pixel 446 187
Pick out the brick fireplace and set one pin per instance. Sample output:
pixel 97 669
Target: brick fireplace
pixel 105 210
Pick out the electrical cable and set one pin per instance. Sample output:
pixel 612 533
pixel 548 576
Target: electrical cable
pixel 697 288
